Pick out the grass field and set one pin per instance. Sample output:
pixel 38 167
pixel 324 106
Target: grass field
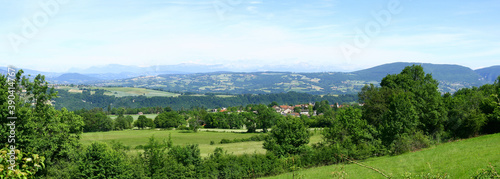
pixel 125 91
pixel 135 116
pixel 134 138
pixel 460 159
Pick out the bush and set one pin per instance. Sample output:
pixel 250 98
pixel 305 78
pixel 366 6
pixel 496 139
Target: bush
pixel 288 136
pixel 489 172
pixel 100 161
pixel 183 127
pixel 26 164
pixel 253 138
pixel 352 136
pixel 407 143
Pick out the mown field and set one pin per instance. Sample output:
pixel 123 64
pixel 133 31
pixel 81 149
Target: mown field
pixel 135 116
pixel 134 138
pixel 460 159
pixel 125 91
pixel 128 91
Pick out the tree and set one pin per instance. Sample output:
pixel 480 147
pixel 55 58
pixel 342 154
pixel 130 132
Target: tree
pixel 169 119
pixel 266 117
pixel 321 107
pixel 109 109
pixel 274 103
pixel 143 122
pixel 352 135
pixel 250 120
pixel 100 161
pixel 425 97
pixel 289 136
pixel 96 120
pixel 122 123
pixel 465 118
pixel 493 111
pixel 53 134
pixel 129 119
pixel 407 102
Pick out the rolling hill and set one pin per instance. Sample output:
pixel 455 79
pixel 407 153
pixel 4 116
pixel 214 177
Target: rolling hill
pixel 210 79
pixel 68 78
pixel 450 77
pixel 490 74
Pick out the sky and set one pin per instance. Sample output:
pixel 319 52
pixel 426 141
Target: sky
pixel 313 35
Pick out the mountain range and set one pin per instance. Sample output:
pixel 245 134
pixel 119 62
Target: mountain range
pixel 218 79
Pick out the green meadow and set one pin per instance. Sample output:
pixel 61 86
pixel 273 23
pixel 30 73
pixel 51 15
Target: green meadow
pixel 459 159
pixel 134 138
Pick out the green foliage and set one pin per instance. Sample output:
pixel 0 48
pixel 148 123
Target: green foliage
pixel 154 156
pixel 169 119
pixel 421 90
pixel 465 116
pixel 121 122
pixel 406 104
pixel 186 155
pixel 266 117
pixel 26 165
pixel 77 101
pixel 352 136
pixel 53 134
pixel 407 142
pixel 489 172
pixel 321 107
pixel 97 120
pixel 100 161
pixel 144 122
pixel 253 138
pixel 289 136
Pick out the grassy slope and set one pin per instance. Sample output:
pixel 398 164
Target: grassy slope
pixel 460 159
pixel 134 138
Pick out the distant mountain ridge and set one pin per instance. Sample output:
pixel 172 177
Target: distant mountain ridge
pixel 68 78
pixel 444 72
pixel 218 79
pixel 490 74
pixel 450 77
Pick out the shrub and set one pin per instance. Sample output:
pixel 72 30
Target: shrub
pixel 351 135
pixel 99 161
pixel 26 164
pixel 288 136
pixel 407 143
pixel 489 172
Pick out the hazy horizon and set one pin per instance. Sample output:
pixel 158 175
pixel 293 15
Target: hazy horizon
pixel 254 35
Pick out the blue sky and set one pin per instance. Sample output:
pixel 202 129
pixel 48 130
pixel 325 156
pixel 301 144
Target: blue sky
pixel 247 34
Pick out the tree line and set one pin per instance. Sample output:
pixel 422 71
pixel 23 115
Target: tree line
pixel 87 100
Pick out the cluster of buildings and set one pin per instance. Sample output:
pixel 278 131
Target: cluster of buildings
pixel 294 110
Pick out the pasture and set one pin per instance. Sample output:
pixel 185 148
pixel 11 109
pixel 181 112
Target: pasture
pixel 134 138
pixel 459 159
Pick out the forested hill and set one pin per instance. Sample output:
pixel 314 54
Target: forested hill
pixel 489 73
pixel 441 72
pixel 87 100
pixel 450 77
